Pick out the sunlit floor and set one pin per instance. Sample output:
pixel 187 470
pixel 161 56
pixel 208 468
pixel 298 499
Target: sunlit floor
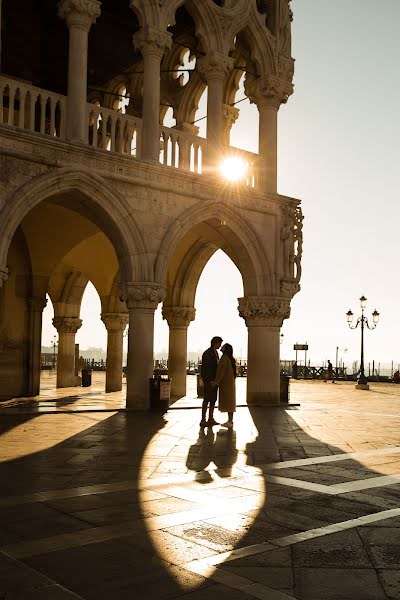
pixel 299 502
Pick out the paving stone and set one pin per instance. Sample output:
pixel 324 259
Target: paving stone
pixel 337 584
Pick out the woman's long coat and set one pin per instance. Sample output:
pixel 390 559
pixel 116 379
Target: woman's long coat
pixel 225 379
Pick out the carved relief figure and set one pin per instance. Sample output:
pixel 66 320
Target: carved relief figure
pixel 287 243
pixel 285 19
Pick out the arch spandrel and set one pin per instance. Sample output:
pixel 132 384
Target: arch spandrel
pixel 95 200
pixel 220 226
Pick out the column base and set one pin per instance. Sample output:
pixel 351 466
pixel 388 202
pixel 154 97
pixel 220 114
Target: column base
pixel 362 386
pixel 263 398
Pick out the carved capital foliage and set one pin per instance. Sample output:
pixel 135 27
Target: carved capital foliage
pixel 268 91
pixel 142 296
pixel 37 304
pixel 214 66
pixel 82 13
pixel 178 316
pixel 264 311
pixel 3 275
pixel 115 321
pixel 289 288
pixel 67 324
pixel 152 40
pixel 231 114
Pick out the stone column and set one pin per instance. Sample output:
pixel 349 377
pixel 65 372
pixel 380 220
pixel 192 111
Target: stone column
pixel 152 43
pixel 178 318
pixel 67 328
pixel 35 308
pixel 264 317
pixel 79 15
pixel 115 324
pixel 142 300
pixel 214 67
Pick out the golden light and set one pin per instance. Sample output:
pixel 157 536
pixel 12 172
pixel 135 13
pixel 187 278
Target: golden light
pixel 233 168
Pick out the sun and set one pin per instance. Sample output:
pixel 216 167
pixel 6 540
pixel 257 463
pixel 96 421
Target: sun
pixel 233 168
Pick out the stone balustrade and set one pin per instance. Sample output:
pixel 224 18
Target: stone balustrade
pixel 28 107
pixel 181 150
pixel 114 131
pixel 37 110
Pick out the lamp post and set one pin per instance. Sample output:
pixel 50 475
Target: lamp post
pixel 54 344
pixel 362 383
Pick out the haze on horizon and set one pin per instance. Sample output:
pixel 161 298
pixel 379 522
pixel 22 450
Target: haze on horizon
pixel 338 153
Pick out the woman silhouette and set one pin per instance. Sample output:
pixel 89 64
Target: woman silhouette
pixel 225 380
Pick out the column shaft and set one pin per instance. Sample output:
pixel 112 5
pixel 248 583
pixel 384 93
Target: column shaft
pixel 151 107
pixel 36 306
pixel 140 358
pixel 215 121
pixel 268 147
pixel 177 360
pixel 77 84
pixel 114 360
pixel 263 367
pixel 66 360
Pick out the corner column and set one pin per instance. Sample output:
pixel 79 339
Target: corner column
pixel 115 325
pixel 141 300
pixel 178 319
pixel 214 67
pixel 152 42
pixel 67 328
pixel 35 308
pixel 264 317
pixel 79 15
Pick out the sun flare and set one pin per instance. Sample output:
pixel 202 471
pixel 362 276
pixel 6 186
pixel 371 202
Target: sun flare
pixel 233 168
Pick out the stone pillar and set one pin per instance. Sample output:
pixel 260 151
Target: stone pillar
pixel 115 324
pixel 214 67
pixel 79 15
pixel 264 317
pixel 178 318
pixel 67 328
pixel 152 43
pixel 141 299
pixel 35 308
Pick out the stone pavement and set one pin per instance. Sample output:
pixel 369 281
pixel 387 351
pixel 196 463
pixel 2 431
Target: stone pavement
pixel 296 502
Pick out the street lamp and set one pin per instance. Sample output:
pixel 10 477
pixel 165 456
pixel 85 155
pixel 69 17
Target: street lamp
pixel 54 344
pixel 362 383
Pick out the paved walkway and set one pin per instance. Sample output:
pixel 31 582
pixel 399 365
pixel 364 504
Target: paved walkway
pixel 300 502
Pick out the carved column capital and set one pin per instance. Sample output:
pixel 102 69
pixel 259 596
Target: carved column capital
pixel 268 91
pixel 214 66
pixel 143 296
pixel 37 304
pixel 115 321
pixel 178 316
pixel 3 274
pixel 67 324
pixel 152 40
pixel 79 13
pixel 264 311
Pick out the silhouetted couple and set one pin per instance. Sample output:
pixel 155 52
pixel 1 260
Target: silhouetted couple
pixel 218 373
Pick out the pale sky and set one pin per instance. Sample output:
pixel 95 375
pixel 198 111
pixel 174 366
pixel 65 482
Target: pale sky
pixel 338 153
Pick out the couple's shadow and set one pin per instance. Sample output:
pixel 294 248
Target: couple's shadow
pixel 212 448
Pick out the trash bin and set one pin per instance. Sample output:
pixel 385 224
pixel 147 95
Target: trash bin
pixel 284 388
pixel 86 377
pixel 159 394
pixel 200 387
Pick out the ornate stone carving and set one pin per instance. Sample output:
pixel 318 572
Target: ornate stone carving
pixel 270 90
pixel 264 311
pixel 82 13
pixel 152 40
pixel 289 288
pixel 285 24
pixel 142 295
pixel 287 241
pixel 115 321
pixel 214 65
pixel 67 324
pixel 37 304
pixel 298 241
pixel 178 316
pixel 3 275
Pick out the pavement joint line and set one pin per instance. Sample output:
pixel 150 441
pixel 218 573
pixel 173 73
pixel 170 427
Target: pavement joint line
pixel 331 458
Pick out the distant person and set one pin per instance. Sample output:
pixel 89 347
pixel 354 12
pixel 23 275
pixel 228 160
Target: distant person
pixel 295 370
pixel 209 363
pixel 329 372
pixel 225 380
pixel 396 377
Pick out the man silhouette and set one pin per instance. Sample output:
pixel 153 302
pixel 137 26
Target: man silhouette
pixel 209 363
